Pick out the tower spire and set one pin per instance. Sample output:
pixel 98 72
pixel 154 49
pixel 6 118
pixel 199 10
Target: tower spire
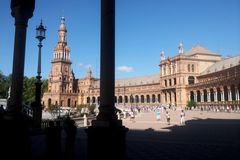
pixel 62 52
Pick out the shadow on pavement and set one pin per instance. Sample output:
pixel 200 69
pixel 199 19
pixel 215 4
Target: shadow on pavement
pixel 200 139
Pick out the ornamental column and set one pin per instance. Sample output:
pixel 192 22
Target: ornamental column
pixel 195 96
pixel 215 95
pixel 14 126
pixel 229 94
pixel 202 96
pixel 106 137
pixel 237 93
pixel 21 11
pixel 208 96
pixel 222 94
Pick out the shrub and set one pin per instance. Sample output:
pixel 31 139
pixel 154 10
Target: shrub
pixel 191 104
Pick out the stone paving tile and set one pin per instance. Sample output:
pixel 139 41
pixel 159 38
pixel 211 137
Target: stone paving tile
pixel 221 141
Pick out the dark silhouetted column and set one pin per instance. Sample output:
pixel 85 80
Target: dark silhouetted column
pixel 107 135
pixel 15 129
pixel 22 10
pixel 107 70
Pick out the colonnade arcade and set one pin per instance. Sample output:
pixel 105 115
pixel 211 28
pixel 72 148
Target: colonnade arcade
pixel 169 96
pixel 224 95
pixel 130 99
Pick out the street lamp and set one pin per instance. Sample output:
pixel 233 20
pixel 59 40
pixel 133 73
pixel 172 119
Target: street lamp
pixel 131 100
pixel 40 35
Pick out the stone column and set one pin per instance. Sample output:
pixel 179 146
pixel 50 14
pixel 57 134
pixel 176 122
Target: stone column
pixel 208 96
pixel 222 96
pixel 237 93
pixel 229 94
pixel 215 96
pixel 107 70
pixel 195 96
pixel 21 11
pixel 107 135
pixel 202 96
pixel 14 127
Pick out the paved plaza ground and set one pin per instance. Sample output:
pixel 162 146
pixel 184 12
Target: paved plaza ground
pixel 206 135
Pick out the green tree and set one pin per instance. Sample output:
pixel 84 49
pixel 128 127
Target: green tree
pixel 191 104
pixel 91 108
pixel 80 107
pixel 44 87
pixel 4 85
pixel 29 89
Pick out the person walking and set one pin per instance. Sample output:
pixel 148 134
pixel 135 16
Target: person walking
pixel 182 117
pixel 168 117
pixel 158 115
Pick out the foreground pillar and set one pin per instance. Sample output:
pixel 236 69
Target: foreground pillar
pixel 107 135
pixel 21 11
pixel 14 127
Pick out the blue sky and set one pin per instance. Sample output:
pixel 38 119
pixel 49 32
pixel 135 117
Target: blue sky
pixel 143 29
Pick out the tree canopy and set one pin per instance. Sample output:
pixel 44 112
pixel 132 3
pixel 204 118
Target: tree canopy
pixel 28 87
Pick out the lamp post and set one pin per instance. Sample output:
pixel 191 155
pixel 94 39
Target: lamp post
pixel 40 35
pixel 131 100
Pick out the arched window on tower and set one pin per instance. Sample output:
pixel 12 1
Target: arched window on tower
pixel 192 67
pixel 191 80
pixel 189 68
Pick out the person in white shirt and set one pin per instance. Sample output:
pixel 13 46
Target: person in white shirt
pixel 182 117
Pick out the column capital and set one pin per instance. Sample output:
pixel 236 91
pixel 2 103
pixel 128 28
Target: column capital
pixel 22 9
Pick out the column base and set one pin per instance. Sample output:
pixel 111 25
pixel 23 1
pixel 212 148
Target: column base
pixel 16 133
pixel 106 140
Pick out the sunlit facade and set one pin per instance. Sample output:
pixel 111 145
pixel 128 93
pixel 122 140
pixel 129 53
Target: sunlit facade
pixel 197 75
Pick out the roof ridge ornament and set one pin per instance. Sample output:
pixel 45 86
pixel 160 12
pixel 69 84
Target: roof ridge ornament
pixel 180 48
pixel 162 56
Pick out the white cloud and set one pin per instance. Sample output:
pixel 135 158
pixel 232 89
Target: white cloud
pixel 124 69
pixel 80 65
pixel 88 66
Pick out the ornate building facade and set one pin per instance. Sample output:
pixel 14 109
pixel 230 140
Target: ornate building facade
pixel 196 75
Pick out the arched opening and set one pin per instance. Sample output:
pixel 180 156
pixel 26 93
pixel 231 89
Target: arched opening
pixel 198 96
pixel 98 100
pixel 142 98
pixel 136 99
pixel 159 98
pixel 148 99
pixel 49 102
pixel 211 95
pixel 120 99
pixel 125 99
pixel 218 94
pixel 93 100
pixel 205 95
pixel 68 102
pixel 191 96
pixel 88 99
pixel 131 99
pixel 153 98
pixel 191 80
pixel 233 93
pixel 225 93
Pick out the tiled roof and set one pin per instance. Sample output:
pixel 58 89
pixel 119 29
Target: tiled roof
pixel 223 64
pixel 151 79
pixel 199 49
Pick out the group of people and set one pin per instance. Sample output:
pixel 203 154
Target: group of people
pixel 182 116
